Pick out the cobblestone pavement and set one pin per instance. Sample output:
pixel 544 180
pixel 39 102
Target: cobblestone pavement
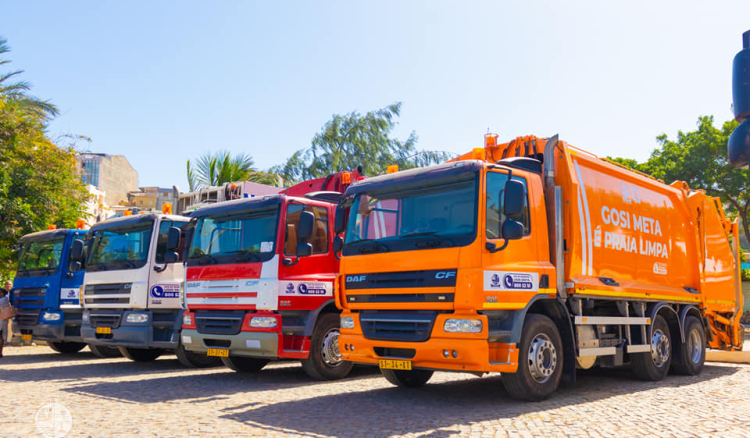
pixel 119 398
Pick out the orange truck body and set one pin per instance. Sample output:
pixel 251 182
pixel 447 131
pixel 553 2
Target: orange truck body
pixel 629 248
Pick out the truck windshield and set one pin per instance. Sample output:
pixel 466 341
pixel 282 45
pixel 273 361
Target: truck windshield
pixel 120 248
pixel 247 236
pixel 40 257
pixel 430 214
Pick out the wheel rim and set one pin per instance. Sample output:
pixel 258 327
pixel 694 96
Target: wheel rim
pixel 695 345
pixel 330 350
pixel 542 358
pixel 659 348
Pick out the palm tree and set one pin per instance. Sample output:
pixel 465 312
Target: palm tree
pixel 214 169
pixel 14 92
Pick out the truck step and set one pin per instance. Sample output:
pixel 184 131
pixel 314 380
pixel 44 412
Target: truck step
pixel 611 320
pixel 639 348
pixel 597 351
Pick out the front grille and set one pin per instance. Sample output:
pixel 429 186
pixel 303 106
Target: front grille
pixel 27 317
pixel 219 323
pixel 105 319
pixel 401 353
pixel 29 296
pixel 392 326
pixel 114 293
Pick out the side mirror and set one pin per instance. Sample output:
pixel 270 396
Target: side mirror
pixel 515 194
pixel 75 266
pixel 512 230
pixel 305 227
pixel 173 239
pixel 304 249
pixel 738 146
pixel 171 256
pixel 76 251
pixel 340 222
pixel 338 244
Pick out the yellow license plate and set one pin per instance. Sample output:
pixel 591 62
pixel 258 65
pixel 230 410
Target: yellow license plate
pixel 25 337
pixel 219 352
pixel 104 330
pixel 389 364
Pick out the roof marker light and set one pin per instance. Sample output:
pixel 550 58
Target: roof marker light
pixel 490 140
pixel 393 168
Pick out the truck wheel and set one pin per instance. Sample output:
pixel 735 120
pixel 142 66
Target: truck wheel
pixel 141 354
pixel 654 366
pixel 325 361
pixel 191 359
pixel 104 351
pixel 244 364
pixel 407 378
pixel 66 347
pixel 693 353
pixel 540 361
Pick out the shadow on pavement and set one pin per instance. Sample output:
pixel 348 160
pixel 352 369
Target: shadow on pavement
pixel 207 387
pixel 398 412
pixel 45 355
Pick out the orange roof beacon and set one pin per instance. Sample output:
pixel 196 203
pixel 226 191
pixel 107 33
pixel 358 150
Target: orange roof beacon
pixel 533 258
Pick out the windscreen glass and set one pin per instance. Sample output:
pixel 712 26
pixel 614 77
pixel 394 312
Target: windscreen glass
pixel 40 257
pixel 119 248
pixel 248 236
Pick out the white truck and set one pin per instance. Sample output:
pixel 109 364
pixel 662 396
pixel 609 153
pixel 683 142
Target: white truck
pixel 132 289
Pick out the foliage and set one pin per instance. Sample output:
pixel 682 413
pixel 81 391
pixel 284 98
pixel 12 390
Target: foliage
pixel 214 169
pixel 351 140
pixel 39 184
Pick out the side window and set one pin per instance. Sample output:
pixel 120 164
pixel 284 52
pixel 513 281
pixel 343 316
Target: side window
pixel 319 238
pixel 495 215
pixel 161 240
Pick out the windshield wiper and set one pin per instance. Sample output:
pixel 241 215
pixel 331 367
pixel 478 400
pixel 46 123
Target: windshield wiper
pixel 433 234
pixel 244 254
pixel 207 259
pixel 378 245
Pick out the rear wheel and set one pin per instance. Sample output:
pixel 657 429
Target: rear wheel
pixel 693 353
pixel 325 361
pixel 141 354
pixel 540 361
pixel 104 351
pixel 654 366
pixel 244 364
pixel 66 347
pixel 191 359
pixel 407 378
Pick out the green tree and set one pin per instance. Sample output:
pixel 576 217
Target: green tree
pixel 214 169
pixel 39 183
pixel 700 158
pixel 351 140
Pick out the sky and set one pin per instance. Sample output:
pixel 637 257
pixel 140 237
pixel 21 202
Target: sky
pixel 163 82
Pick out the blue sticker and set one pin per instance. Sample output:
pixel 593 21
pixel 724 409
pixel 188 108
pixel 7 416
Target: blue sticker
pixel 311 289
pixel 290 288
pixel 517 281
pixel 495 280
pixel 165 291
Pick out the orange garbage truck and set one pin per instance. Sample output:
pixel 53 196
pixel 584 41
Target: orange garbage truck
pixel 534 258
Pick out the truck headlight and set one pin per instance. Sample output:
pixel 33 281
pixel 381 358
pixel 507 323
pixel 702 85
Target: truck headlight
pixel 463 326
pixel 347 322
pixel 137 317
pixel 51 316
pixel 263 322
pixel 187 320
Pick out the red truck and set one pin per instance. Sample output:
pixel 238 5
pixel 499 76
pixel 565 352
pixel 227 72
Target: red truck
pixel 260 279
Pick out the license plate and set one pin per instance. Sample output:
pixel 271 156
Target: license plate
pixel 389 364
pixel 25 337
pixel 104 330
pixel 218 352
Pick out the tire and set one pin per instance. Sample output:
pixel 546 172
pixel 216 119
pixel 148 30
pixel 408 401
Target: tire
pixel 191 359
pixel 407 378
pixel 66 347
pixel 654 366
pixel 325 361
pixel 104 351
pixel 693 351
pixel 141 354
pixel 540 361
pixel 244 364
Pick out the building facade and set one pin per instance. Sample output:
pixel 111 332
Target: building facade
pixel 111 174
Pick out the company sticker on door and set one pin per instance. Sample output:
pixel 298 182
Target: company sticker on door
pixel 511 281
pixel 165 290
pixel 70 295
pixel 306 288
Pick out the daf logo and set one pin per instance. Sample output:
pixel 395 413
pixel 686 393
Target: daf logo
pixel 445 274
pixel 194 284
pixel 356 278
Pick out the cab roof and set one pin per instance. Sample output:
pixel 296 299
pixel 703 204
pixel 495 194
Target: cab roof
pixel 237 205
pixel 416 175
pixel 50 234
pixel 125 221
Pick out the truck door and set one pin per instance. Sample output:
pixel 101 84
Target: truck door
pixel 165 279
pixel 514 273
pixel 70 282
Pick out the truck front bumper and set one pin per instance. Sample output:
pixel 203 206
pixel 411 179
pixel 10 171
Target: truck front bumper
pixel 245 344
pixel 164 334
pixel 66 330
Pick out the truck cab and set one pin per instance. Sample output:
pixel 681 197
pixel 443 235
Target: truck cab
pixel 46 292
pixel 132 288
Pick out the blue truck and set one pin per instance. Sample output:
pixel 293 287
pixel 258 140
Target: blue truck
pixel 46 293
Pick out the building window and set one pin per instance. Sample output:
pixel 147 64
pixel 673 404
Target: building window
pixel 90 171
